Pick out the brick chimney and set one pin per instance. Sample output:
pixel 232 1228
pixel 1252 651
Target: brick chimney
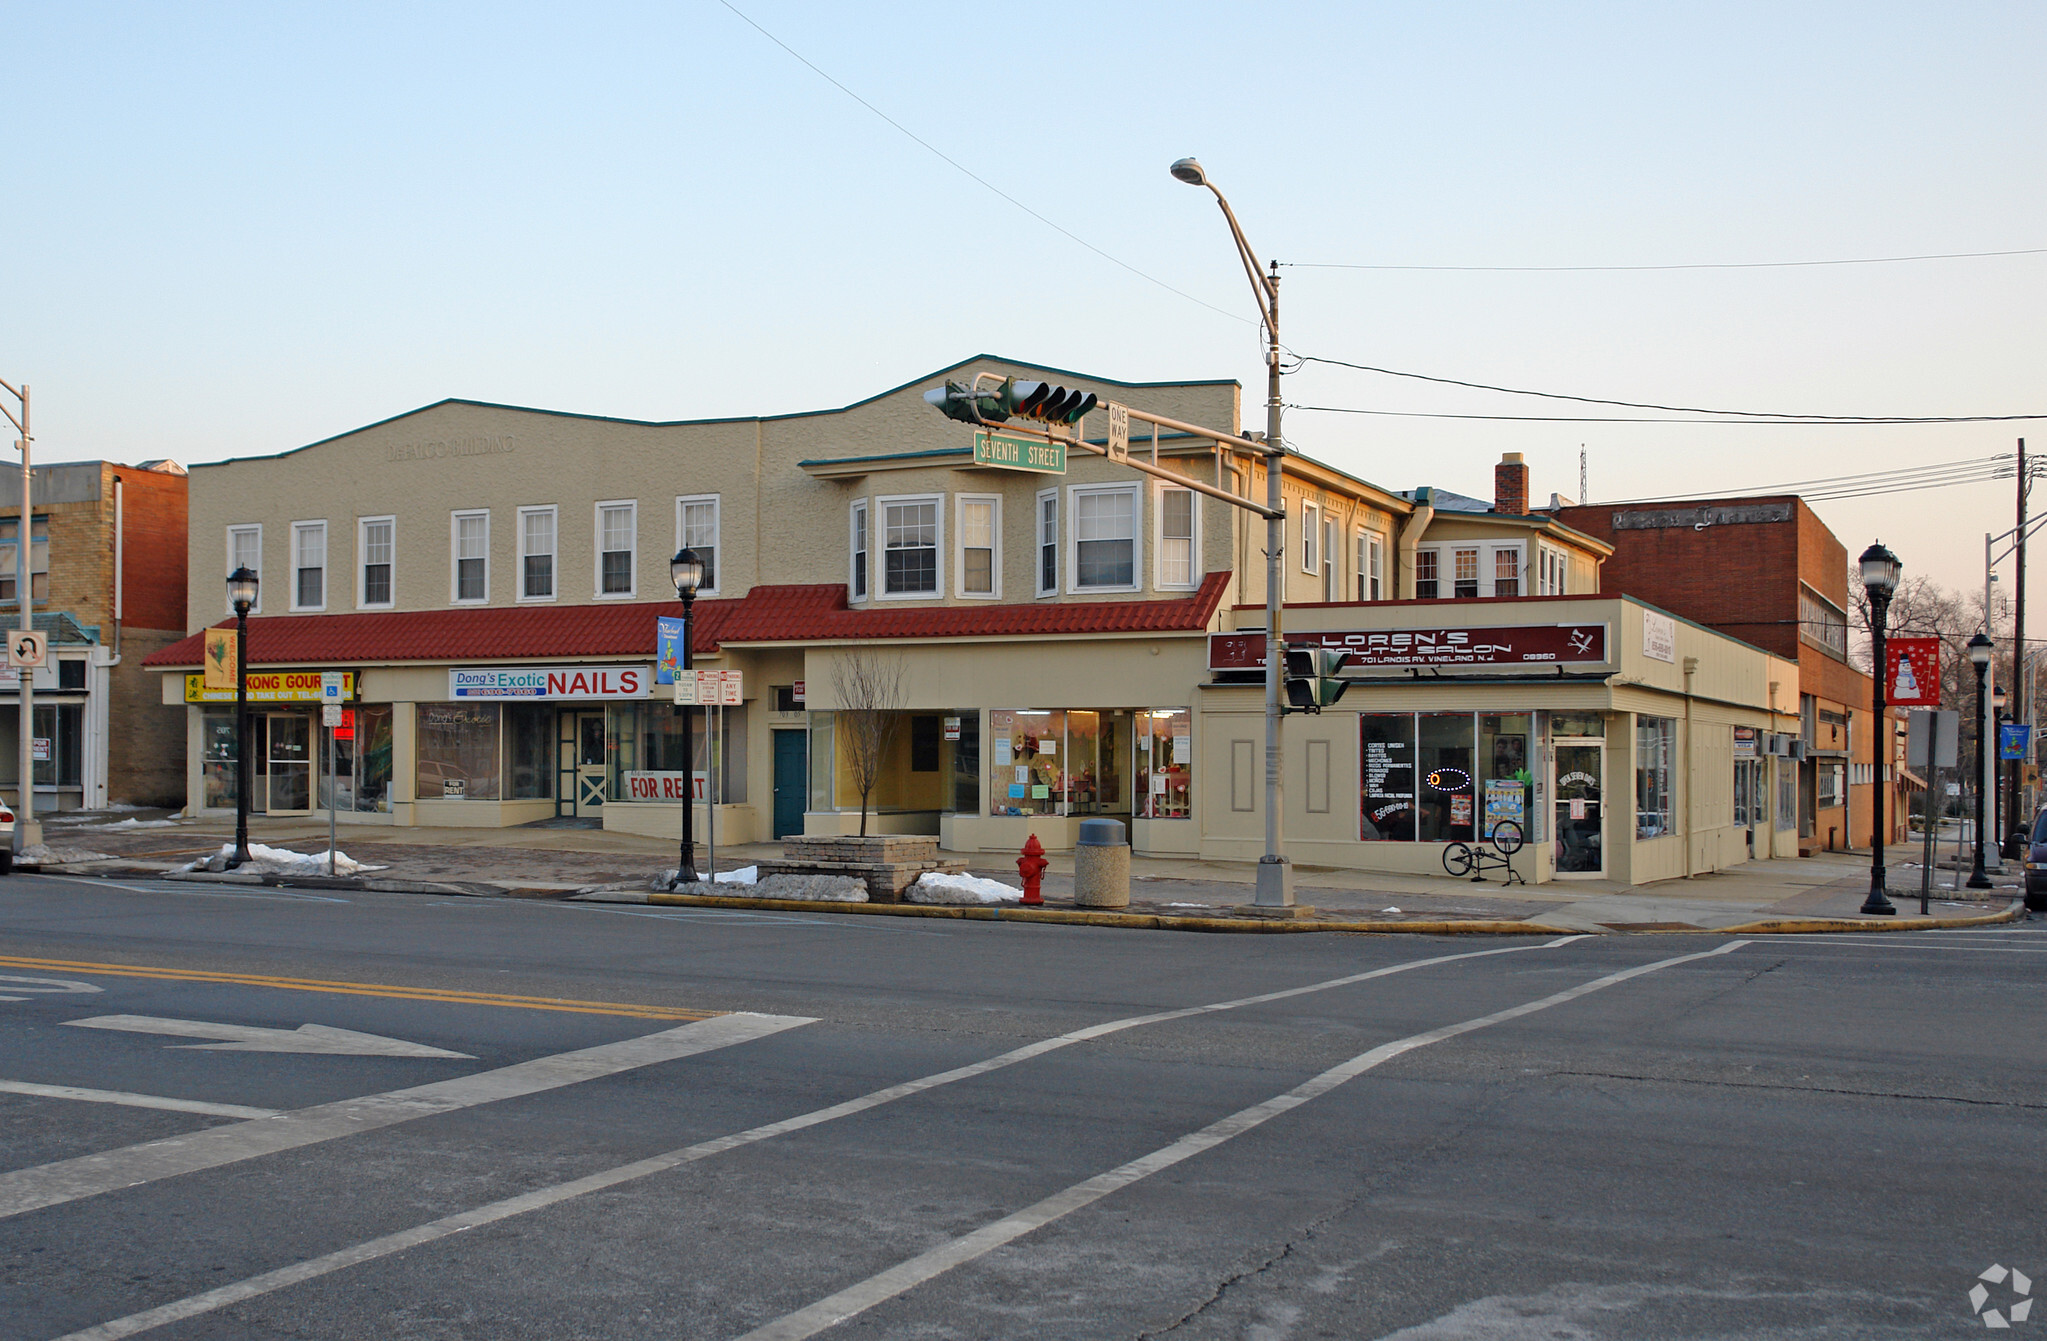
pixel 1510 485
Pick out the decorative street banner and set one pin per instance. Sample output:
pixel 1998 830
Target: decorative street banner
pixel 269 687
pixel 220 659
pixel 1017 453
pixel 662 786
pixel 667 648
pixel 2013 740
pixel 1912 672
pixel 548 682
pixel 1528 644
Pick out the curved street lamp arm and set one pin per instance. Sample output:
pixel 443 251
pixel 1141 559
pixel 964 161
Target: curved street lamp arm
pixel 1260 285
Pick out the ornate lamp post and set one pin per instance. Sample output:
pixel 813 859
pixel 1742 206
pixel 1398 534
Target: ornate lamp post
pixel 1979 657
pixel 241 594
pixel 686 570
pixel 1880 569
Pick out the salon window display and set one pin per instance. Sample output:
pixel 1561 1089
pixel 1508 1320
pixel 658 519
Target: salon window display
pixel 1442 777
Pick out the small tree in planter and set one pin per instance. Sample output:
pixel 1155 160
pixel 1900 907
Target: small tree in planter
pixel 870 691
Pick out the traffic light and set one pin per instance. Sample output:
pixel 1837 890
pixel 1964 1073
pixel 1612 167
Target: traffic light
pixel 955 401
pixel 1313 677
pixel 1045 402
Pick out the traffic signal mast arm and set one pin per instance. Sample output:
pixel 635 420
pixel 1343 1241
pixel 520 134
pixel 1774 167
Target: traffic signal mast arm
pixel 971 404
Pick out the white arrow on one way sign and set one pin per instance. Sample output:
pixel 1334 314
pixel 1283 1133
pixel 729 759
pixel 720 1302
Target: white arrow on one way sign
pixel 318 1038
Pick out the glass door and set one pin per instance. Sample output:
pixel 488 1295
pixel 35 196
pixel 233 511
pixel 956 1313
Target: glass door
pixel 1579 848
pixel 290 762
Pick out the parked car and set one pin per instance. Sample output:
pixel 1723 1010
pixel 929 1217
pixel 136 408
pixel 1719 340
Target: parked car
pixel 2036 856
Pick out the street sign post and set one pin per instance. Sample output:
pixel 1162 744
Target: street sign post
pixel 1119 432
pixel 710 688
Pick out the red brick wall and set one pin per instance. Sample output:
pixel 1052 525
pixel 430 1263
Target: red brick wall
pixel 154 551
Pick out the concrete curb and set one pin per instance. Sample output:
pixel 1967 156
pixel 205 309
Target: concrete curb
pixel 371 885
pixel 1065 917
pixel 2014 912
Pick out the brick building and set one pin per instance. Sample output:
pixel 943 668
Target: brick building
pixel 1769 572
pixel 107 557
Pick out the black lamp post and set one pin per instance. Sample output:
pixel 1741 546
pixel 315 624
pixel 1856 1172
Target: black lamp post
pixel 1979 657
pixel 241 594
pixel 2000 814
pixel 686 570
pixel 1880 569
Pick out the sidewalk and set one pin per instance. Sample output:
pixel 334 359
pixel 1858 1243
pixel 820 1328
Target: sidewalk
pixel 561 861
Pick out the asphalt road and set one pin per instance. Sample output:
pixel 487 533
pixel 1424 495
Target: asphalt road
pixel 521 1119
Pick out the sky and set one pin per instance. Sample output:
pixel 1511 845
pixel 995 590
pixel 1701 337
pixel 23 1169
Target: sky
pixel 230 230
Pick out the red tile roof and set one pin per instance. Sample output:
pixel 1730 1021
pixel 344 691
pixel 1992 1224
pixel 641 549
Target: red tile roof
pixel 815 613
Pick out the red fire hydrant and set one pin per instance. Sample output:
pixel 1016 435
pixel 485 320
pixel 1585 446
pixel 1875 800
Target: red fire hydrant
pixel 1031 866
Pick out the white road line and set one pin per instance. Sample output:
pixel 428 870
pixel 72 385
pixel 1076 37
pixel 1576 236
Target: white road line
pixel 876 1289
pixel 312 1268
pixel 133 1100
pixel 1887 943
pixel 198 893
pixel 89 1175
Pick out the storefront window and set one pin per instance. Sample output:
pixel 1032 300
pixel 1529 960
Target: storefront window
pixel 529 751
pixel 1165 764
pixel 1655 743
pixel 1588 724
pixel 1026 768
pixel 966 762
pixel 217 757
pixel 1506 783
pixel 373 757
pixel 648 738
pixel 1787 794
pixel 457 749
pixel 823 763
pixel 1386 749
pixel 1445 760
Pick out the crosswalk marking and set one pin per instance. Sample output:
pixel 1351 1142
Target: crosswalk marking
pixel 133 1100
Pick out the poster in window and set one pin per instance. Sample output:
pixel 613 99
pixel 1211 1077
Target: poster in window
pixel 1510 755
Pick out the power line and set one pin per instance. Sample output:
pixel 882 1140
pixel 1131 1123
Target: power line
pixel 1760 415
pixel 1659 419
pixel 970 173
pixel 1693 265
pixel 1908 479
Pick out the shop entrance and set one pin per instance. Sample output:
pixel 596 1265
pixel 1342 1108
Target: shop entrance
pixel 1576 786
pixel 288 762
pixel 579 788
pixel 792 780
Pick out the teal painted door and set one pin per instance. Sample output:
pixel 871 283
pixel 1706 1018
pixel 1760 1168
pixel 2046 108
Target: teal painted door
pixel 791 781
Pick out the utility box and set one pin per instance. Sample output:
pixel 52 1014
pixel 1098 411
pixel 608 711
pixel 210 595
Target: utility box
pixel 1101 865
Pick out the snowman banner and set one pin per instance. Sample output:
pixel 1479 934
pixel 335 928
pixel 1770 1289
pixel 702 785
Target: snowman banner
pixel 1912 672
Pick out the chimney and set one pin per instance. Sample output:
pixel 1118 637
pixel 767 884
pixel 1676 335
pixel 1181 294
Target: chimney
pixel 1510 485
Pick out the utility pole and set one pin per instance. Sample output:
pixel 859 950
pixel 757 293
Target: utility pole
pixel 2021 711
pixel 27 833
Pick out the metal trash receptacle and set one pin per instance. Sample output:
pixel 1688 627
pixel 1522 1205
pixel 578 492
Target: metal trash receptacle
pixel 1101 865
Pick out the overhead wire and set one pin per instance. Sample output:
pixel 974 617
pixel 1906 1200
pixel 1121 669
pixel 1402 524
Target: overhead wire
pixel 1688 265
pixel 968 172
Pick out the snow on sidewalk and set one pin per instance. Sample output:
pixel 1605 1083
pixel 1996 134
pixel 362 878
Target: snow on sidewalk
pixel 267 860
pixel 938 887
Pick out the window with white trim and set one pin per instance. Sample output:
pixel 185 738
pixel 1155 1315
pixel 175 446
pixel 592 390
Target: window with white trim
pixel 909 546
pixel 1426 585
pixel 536 554
pixel 1550 564
pixel 1464 566
pixel 1104 537
pixel 696 527
pixel 1371 566
pixel 979 561
pixel 469 541
pixel 1178 511
pixel 309 565
pixel 1332 560
pixel 1048 543
pixel 1506 572
pixel 617 542
pixel 1476 570
pixel 1311 529
pixel 376 542
pixel 858 580
pixel 244 550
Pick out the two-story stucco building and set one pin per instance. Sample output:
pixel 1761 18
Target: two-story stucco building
pixel 1061 645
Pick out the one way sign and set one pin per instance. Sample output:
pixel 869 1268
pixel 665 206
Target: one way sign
pixel 27 648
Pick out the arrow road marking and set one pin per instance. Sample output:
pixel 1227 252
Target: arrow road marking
pixel 14 982
pixel 318 1038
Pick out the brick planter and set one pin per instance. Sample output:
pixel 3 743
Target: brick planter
pixel 889 863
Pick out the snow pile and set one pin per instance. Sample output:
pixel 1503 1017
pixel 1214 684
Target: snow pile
pixel 745 875
pixel 266 860
pixel 132 823
pixel 42 854
pixel 938 887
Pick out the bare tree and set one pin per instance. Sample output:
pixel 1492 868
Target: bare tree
pixel 870 691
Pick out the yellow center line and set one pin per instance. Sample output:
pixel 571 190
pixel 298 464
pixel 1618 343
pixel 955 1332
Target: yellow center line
pixel 445 996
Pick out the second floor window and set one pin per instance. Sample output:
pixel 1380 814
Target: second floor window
pixel 309 565
pixel 1426 585
pixel 1467 574
pixel 1332 566
pixel 536 554
pixel 910 548
pixel 1105 538
pixel 615 536
pixel 245 550
pixel 1048 543
pixel 696 527
pixel 860 550
pixel 977 546
pixel 1506 572
pixel 38 559
pixel 1371 561
pixel 1176 538
pixel 472 556
pixel 377 548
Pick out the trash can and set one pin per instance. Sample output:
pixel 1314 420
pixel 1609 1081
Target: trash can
pixel 1101 865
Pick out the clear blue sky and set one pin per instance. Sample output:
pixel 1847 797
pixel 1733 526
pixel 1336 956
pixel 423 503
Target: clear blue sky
pixel 234 229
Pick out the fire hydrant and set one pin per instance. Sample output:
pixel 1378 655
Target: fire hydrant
pixel 1031 866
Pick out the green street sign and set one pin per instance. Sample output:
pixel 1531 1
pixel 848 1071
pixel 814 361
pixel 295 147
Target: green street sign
pixel 1015 453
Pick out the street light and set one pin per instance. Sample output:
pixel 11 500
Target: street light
pixel 686 570
pixel 1999 816
pixel 1880 569
pixel 27 833
pixel 241 595
pixel 1979 657
pixel 1275 873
